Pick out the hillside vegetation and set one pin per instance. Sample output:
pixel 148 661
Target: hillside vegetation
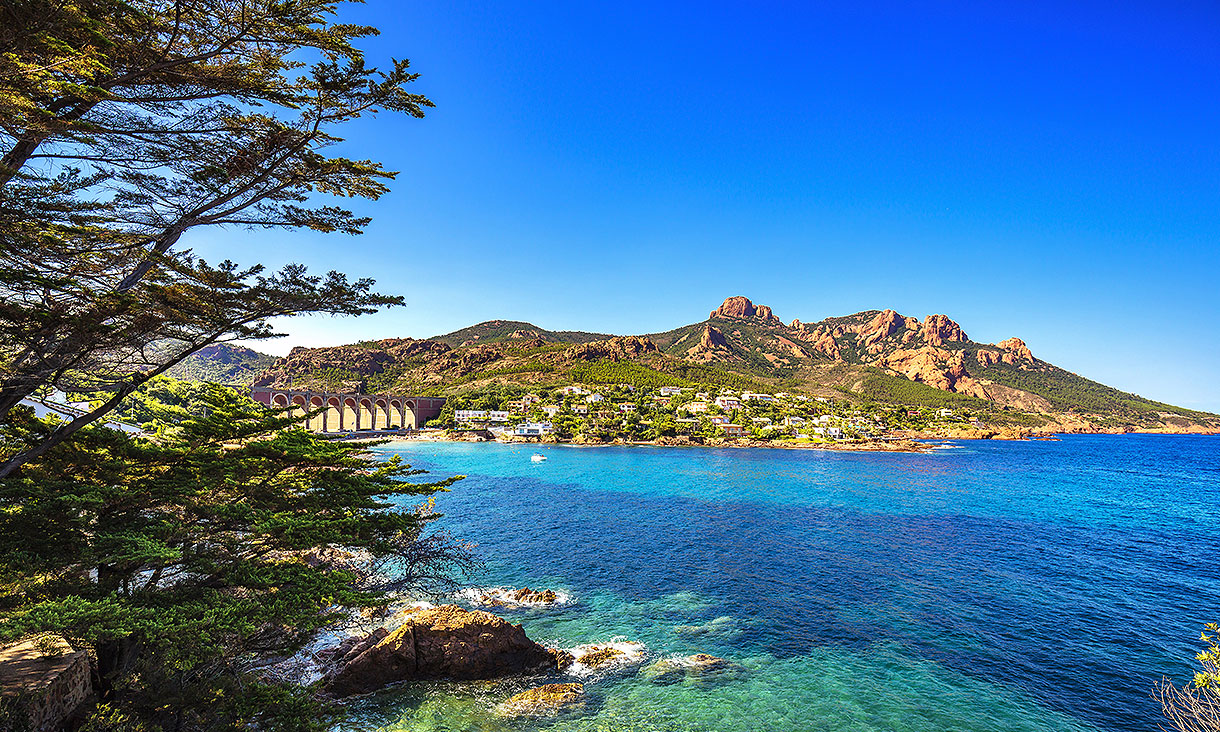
pixel 873 356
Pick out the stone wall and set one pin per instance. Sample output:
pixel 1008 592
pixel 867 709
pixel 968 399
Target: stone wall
pixel 42 681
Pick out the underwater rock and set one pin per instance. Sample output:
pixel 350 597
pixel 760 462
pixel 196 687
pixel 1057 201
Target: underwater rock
pixel 543 700
pixel 722 627
pixel 439 642
pixel 673 670
pixel 600 656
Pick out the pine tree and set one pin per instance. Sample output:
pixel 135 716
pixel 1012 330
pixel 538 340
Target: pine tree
pixel 176 559
pixel 127 124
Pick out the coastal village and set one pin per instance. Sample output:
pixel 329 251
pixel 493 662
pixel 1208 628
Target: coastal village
pixel 685 415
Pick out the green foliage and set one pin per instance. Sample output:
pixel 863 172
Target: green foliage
pixel 174 559
pixel 885 387
pixel 498 331
pixel 1209 657
pixel 623 372
pixel 222 363
pixel 1073 393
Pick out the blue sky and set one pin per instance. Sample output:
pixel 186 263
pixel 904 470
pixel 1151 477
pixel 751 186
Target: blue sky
pixel 1044 170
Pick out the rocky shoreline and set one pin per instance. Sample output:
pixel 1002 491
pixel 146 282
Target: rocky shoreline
pixel 425 642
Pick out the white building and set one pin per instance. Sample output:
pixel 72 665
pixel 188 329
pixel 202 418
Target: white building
pixel 573 390
pixel 626 408
pixel 470 415
pixel 594 398
pixel 533 429
pixel 694 407
pixel 793 421
pixel 750 396
pixel 497 416
pixel 728 403
pixel 670 390
pixel 551 410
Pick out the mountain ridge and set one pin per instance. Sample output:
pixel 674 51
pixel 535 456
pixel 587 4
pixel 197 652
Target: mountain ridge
pixel 877 355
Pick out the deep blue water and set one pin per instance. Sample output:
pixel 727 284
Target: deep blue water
pixel 997 586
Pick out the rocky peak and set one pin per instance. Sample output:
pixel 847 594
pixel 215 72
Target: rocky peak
pixel 1017 348
pixel 940 329
pixel 883 325
pixel 613 349
pixel 741 307
pixel 712 338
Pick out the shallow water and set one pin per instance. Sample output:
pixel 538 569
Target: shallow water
pixel 999 586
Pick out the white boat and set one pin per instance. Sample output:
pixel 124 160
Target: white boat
pixel 538 457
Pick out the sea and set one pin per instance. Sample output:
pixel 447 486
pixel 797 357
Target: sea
pixel 982 586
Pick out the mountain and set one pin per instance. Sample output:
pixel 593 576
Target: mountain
pixel 497 331
pixel 876 355
pixel 222 363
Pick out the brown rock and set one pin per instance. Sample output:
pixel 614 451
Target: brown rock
pixel 542 700
pixel 599 656
pixel 612 349
pixel 741 307
pixel 440 642
pixel 522 596
pixel 940 329
pixel 734 307
pixel 670 670
pixel 1016 350
pixel 42 682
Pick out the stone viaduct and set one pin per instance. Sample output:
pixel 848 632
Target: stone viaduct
pixel 342 412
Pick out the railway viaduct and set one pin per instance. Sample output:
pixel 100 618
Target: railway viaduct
pixel 345 412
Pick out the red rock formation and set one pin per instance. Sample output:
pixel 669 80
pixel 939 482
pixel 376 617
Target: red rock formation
pixel 940 329
pixel 886 323
pixel 741 307
pixel 734 307
pixel 613 349
pixel 1017 349
pixel 440 642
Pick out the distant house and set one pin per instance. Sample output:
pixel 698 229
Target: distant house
pixel 694 407
pixel 944 413
pixel 551 410
pixel 733 430
pixel 761 420
pixel 626 408
pixel 824 418
pixel 470 416
pixel 834 433
pixel 580 408
pixel 728 403
pixel 670 390
pixel 573 390
pixel 750 396
pixel 718 419
pixel 793 421
pixel 497 416
pixel 533 429
pixel 594 398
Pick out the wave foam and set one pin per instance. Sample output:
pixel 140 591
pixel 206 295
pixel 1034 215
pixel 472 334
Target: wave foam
pixel 592 658
pixel 513 597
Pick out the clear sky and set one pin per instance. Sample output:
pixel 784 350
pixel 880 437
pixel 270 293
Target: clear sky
pixel 1044 170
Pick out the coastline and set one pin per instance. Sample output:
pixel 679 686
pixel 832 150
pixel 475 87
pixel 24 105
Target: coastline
pixel 908 443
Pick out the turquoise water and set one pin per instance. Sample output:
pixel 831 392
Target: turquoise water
pixel 995 586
